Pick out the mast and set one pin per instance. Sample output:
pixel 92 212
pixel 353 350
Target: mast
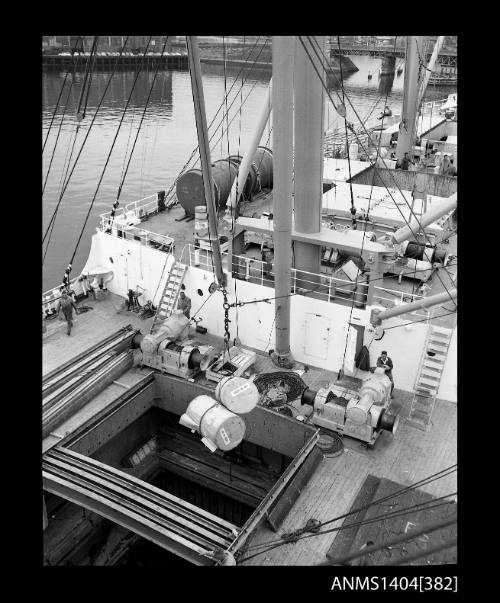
pixel 309 96
pixel 282 101
pixel 430 67
pixel 406 137
pixel 206 164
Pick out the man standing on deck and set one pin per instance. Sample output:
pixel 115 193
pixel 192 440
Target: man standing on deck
pixel 386 363
pixel 184 304
pixel 66 304
pixel 405 162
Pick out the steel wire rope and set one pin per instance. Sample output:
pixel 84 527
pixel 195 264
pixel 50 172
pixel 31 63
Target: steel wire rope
pixel 85 139
pixel 193 153
pixel 59 97
pixel 425 506
pixel 224 290
pixel 373 164
pixel 92 58
pixel 418 484
pixel 57 137
pixel 353 214
pixel 108 157
pixel 87 69
pixel 142 119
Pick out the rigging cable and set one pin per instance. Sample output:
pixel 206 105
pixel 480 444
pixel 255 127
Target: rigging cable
pixel 373 164
pixel 193 153
pixel 292 538
pixel 57 137
pixel 73 50
pixel 85 139
pixel 68 270
pixel 120 187
pixel 88 77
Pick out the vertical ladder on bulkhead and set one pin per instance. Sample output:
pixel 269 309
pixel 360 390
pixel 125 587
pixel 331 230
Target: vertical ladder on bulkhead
pixel 170 295
pixel 429 376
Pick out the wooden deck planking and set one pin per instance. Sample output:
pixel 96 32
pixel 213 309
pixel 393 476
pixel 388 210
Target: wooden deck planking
pixel 90 328
pixel 408 457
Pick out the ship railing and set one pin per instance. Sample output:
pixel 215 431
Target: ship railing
pixel 143 207
pixel 391 297
pixel 321 286
pixel 137 234
pixel 52 296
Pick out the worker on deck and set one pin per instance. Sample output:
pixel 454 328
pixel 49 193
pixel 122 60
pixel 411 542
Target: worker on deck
pixel 184 303
pixel 445 165
pixel 385 113
pixel 452 170
pixel 404 162
pixel 386 363
pixel 66 304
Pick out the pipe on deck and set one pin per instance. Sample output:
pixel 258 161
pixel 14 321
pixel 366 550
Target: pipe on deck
pixel 427 218
pixel 433 300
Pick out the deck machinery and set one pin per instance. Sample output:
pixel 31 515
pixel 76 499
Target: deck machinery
pixel 362 415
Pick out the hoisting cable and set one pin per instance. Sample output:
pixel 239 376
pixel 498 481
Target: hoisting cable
pixel 366 152
pixel 84 140
pixel 225 305
pixel 120 186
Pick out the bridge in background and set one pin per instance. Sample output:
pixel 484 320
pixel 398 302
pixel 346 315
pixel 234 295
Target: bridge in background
pixel 447 57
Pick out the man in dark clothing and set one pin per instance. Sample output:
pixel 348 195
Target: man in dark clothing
pixel 386 363
pixel 66 304
pixel 184 304
pixel 405 162
pixel 452 170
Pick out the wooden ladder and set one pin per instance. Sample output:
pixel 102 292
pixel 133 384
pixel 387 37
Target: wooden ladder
pixel 429 376
pixel 170 295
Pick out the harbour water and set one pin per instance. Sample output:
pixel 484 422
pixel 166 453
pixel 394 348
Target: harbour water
pixel 165 141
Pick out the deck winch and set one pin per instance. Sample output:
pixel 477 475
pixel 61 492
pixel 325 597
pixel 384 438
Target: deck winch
pixel 164 352
pixel 362 415
pixel 218 420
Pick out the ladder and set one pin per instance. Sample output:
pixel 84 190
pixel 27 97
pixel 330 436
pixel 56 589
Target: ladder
pixel 170 295
pixel 429 376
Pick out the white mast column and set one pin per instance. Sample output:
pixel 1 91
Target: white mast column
pixel 406 136
pixel 282 102
pixel 309 95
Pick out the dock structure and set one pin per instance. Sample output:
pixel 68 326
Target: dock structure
pixel 109 60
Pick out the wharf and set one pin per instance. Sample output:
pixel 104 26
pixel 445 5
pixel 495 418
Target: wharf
pixel 79 62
